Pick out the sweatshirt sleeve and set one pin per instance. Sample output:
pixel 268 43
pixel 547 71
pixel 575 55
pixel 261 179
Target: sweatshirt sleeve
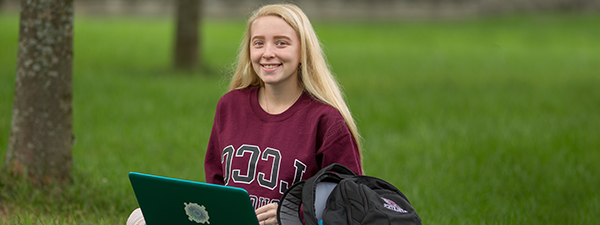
pixel 213 170
pixel 339 146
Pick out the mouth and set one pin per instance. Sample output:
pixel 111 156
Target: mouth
pixel 270 66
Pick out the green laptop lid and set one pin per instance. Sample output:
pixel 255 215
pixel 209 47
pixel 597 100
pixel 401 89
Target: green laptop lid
pixel 165 200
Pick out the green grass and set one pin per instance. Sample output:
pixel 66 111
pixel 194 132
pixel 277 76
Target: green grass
pixel 487 121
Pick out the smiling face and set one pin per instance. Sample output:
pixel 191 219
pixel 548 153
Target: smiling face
pixel 275 51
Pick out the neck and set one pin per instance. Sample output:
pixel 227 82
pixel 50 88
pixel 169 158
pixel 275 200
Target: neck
pixel 276 101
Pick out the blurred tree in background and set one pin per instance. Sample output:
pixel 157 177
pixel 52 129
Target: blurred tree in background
pixel 41 136
pixel 187 37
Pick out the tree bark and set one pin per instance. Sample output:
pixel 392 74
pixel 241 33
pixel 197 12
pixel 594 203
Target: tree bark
pixel 187 35
pixel 41 136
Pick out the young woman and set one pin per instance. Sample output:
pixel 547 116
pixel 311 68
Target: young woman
pixel 284 117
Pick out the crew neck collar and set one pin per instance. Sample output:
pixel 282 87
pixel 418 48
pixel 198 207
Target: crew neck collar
pixel 263 115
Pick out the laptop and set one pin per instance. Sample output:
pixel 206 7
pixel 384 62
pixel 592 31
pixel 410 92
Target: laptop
pixel 165 200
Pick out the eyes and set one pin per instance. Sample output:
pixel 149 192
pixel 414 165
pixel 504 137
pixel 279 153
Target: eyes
pixel 260 43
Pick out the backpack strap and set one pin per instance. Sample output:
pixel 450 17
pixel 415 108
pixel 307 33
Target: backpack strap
pixel 288 211
pixel 331 173
pixel 297 205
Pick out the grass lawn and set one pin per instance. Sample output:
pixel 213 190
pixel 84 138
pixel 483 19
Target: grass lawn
pixel 485 121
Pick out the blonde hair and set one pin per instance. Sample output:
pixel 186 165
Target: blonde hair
pixel 315 76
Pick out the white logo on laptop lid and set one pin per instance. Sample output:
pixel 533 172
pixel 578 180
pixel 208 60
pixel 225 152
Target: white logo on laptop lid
pixel 196 213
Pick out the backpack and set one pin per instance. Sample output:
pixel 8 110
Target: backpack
pixel 352 199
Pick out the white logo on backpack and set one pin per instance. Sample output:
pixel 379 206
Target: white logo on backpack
pixel 391 205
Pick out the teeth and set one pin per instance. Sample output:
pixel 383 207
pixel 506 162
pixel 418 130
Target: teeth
pixel 270 66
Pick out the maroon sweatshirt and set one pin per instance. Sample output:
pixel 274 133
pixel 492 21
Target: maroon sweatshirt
pixel 265 154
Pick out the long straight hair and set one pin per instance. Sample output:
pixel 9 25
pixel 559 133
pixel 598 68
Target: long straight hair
pixel 315 75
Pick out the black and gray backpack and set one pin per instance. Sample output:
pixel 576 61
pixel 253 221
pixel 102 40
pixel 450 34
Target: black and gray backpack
pixel 336 196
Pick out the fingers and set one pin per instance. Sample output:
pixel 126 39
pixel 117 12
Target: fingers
pixel 270 221
pixel 267 208
pixel 267 214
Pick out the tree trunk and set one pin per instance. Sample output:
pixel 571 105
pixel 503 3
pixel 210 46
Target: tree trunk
pixel 41 130
pixel 187 38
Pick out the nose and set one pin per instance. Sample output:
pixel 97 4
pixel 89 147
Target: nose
pixel 269 53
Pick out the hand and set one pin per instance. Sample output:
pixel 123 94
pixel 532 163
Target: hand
pixel 267 214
